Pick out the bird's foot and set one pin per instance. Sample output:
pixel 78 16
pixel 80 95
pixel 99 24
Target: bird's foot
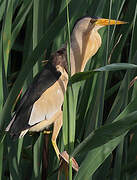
pixel 64 160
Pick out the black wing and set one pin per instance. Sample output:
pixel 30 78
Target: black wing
pixel 46 78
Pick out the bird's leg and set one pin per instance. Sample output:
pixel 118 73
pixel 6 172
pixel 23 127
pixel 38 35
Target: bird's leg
pixel 64 157
pixel 56 121
pixel 56 129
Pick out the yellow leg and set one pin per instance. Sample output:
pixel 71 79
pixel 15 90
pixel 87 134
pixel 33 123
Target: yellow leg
pixel 56 129
pixel 47 132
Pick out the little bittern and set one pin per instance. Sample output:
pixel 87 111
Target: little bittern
pixel 41 104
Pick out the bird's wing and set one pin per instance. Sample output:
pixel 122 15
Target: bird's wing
pixel 45 79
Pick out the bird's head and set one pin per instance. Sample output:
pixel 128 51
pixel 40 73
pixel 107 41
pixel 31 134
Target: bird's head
pixel 85 40
pixel 87 24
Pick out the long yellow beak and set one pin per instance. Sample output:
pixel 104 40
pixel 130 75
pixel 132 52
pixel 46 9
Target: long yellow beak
pixel 106 22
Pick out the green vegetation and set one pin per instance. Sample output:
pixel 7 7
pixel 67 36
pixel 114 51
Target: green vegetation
pixel 100 107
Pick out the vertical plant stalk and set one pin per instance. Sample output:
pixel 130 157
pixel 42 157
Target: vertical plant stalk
pixel 68 42
pixel 118 15
pixel 108 33
pixel 104 75
pixel 39 149
pixel 132 37
pixel 7 34
pixel 67 95
pixel 5 40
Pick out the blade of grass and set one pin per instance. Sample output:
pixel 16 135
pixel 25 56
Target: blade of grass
pixel 122 148
pixel 37 158
pixel 1 159
pixel 3 95
pixel 96 8
pixel 98 136
pixel 118 161
pixel 103 170
pixel 93 106
pixel 70 121
pixel 133 38
pixel 7 33
pixel 38 30
pixel 2 8
pixel 86 172
pixel 126 29
pixel 1 75
pixel 103 134
pixel 119 9
pixel 111 91
pixel 12 158
pixel 111 67
pixel 20 19
pixel 95 158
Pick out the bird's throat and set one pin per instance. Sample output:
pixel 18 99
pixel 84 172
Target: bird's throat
pixel 83 47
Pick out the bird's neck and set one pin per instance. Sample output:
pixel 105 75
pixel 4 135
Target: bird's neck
pixel 83 47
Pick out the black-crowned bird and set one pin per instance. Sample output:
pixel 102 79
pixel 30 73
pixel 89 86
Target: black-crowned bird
pixel 41 104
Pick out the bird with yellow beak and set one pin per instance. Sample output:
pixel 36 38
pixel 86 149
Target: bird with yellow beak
pixel 41 104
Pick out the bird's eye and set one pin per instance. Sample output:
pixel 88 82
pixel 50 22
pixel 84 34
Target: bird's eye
pixel 93 20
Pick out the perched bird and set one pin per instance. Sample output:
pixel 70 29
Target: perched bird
pixel 41 104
